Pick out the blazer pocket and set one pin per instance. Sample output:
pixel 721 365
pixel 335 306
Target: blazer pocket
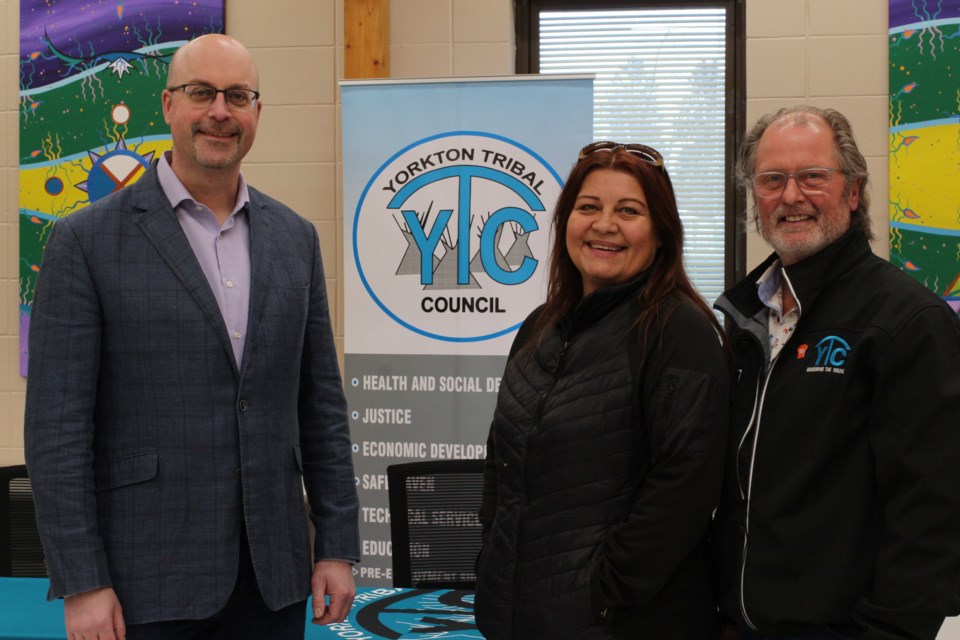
pixel 287 311
pixel 292 268
pixel 126 471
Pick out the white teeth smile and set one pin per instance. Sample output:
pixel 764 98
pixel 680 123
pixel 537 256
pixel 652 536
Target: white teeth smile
pixel 799 218
pixel 218 134
pixel 603 247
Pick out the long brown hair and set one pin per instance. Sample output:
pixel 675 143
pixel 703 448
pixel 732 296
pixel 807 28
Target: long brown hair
pixel 666 274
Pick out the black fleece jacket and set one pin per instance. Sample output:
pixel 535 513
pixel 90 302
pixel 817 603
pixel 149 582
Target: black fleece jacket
pixel 845 514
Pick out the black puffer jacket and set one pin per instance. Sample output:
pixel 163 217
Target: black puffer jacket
pixel 604 465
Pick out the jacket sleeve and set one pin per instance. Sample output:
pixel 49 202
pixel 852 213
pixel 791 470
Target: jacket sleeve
pixel 915 436
pixel 65 335
pixel 324 431
pixel 685 399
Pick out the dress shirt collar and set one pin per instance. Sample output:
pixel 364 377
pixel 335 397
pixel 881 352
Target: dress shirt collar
pixel 768 287
pixel 177 194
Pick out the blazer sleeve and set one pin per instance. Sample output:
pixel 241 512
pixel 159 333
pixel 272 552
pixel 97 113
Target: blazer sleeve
pixel 685 399
pixel 65 336
pixel 324 430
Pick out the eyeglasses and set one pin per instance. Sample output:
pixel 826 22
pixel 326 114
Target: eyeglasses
pixel 204 95
pixel 771 184
pixel 642 151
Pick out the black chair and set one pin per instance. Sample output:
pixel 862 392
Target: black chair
pixel 20 552
pixel 433 523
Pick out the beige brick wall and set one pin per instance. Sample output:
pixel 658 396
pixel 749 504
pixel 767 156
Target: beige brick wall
pixel 829 52
pixel 11 384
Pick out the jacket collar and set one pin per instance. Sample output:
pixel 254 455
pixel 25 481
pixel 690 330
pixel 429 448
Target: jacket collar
pixel 595 306
pixel 809 277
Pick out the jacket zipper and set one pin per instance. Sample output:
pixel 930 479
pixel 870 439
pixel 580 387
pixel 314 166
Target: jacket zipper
pixel 526 483
pixel 759 400
pixel 757 412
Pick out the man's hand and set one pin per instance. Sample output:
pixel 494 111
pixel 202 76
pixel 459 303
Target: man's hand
pixel 332 578
pixel 94 615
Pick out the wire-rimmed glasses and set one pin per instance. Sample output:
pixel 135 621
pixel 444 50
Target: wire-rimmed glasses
pixel 813 180
pixel 204 95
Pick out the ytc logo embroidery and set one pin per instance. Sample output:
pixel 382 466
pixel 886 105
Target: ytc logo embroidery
pixel 832 351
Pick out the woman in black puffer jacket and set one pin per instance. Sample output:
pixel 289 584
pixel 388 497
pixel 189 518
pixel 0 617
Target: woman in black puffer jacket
pixel 606 449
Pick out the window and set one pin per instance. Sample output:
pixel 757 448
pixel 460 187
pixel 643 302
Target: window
pixel 669 76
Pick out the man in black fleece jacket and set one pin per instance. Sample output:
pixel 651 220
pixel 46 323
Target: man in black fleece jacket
pixel 840 515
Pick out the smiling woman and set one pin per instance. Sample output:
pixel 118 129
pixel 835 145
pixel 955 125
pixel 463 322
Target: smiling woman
pixel 609 234
pixel 604 457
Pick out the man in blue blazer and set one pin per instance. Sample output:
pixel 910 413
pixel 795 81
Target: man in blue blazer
pixel 184 389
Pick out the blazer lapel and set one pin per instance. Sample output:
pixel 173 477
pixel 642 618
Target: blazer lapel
pixel 159 223
pixel 262 249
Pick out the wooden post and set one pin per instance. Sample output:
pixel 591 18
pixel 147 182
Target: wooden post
pixel 366 39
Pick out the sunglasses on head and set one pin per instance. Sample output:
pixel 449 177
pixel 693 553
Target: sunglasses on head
pixel 642 151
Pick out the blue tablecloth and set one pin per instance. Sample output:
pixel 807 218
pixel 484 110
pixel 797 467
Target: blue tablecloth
pixel 382 613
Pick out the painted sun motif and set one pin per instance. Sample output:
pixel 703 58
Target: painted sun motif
pixel 113 170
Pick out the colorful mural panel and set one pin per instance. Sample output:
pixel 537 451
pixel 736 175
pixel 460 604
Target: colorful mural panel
pixel 925 143
pixel 91 73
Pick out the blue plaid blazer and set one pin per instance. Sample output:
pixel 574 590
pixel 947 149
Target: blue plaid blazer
pixel 147 445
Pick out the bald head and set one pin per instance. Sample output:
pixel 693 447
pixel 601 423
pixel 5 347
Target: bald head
pixel 211 137
pixel 204 54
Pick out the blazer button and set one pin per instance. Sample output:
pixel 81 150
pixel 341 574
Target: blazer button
pixel 236 474
pixel 243 405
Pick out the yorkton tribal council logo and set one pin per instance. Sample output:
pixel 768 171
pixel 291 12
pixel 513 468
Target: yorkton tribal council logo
pixel 451 234
pixel 831 352
pixel 410 613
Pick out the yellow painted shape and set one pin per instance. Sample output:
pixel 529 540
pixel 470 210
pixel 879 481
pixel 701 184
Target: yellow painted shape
pixel 925 176
pixel 34 196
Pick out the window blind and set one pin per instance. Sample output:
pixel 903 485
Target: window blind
pixel 660 81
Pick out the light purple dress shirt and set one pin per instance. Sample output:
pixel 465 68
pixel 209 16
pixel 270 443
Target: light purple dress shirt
pixel 223 251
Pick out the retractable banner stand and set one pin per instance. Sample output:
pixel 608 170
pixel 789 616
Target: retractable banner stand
pixel 449 188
